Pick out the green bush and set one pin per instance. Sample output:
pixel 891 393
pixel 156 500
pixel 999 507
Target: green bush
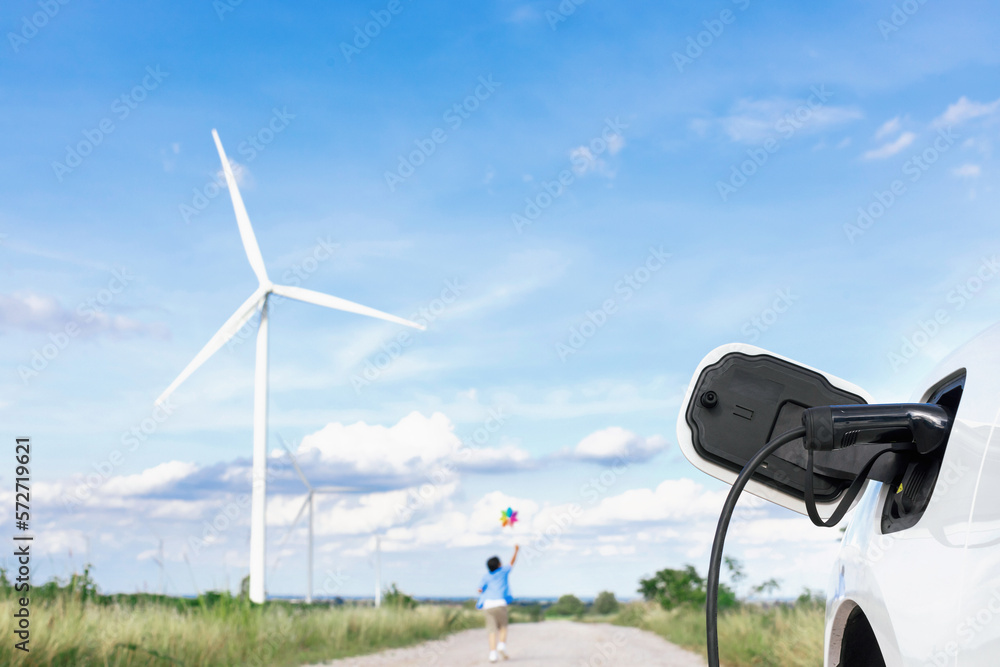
pixel 676 588
pixel 397 599
pixel 811 598
pixel 568 605
pixel 535 612
pixel 605 603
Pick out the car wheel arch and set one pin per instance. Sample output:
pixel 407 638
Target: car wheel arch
pixel 852 639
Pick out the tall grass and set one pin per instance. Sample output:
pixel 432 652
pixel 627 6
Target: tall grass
pixel 749 636
pixel 70 628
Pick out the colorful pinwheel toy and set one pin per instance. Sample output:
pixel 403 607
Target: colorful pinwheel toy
pixel 508 517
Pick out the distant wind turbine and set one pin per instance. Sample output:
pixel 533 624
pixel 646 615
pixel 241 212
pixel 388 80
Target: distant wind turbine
pixel 378 570
pixel 310 503
pixel 258 302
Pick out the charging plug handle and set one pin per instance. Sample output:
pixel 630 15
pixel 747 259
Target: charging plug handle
pixel 830 427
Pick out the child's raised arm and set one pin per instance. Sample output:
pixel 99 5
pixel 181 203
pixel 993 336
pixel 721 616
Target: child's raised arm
pixel 513 558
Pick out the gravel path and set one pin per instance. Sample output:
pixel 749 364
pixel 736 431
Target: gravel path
pixel 547 644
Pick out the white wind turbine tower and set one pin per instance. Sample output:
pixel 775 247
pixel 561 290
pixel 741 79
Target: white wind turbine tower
pixel 310 503
pixel 258 301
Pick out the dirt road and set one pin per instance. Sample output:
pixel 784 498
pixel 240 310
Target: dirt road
pixel 548 644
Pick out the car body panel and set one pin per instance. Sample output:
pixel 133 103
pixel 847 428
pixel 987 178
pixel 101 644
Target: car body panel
pixel 920 586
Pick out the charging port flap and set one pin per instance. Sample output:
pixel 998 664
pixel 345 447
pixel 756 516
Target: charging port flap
pixel 741 397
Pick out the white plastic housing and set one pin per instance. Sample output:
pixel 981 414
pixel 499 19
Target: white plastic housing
pixel 684 436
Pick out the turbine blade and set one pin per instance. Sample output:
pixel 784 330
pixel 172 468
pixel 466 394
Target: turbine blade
pixel 295 463
pixel 335 302
pixel 242 219
pixel 295 522
pixel 228 330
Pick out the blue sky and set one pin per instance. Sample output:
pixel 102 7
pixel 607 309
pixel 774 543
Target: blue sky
pixel 740 138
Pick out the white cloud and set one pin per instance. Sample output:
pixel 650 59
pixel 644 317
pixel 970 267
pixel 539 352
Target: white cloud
pixel 891 148
pixel 28 311
pixel 523 13
pixel 616 143
pixel 673 500
pixel 754 121
pixel 61 543
pixel 152 479
pixel 889 127
pixel 148 554
pixel 770 531
pixel 967 171
pixel 414 442
pixel 965 109
pixel 584 161
pixel 366 514
pixel 498 458
pixel 615 442
pixel 244 179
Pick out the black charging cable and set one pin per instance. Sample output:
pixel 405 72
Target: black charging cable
pixel 715 563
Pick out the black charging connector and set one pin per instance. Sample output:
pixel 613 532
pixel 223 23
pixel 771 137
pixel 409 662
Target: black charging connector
pixel 920 428
pixel 831 427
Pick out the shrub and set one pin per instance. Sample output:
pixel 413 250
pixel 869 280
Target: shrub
pixel 535 612
pixel 568 605
pixel 811 599
pixel 677 588
pixel 397 599
pixel 605 603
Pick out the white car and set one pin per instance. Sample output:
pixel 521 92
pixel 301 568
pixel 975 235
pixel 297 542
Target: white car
pixel 917 580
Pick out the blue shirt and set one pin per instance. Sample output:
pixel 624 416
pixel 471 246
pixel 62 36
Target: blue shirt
pixel 495 586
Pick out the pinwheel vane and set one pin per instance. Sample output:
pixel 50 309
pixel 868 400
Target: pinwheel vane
pixel 508 518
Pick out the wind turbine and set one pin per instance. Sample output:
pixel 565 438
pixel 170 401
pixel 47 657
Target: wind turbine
pixel 310 503
pixel 378 570
pixel 258 302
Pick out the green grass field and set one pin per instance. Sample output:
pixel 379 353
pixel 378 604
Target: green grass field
pixel 749 636
pixel 141 630
pixel 71 624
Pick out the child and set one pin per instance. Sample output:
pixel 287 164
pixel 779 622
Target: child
pixel 494 596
